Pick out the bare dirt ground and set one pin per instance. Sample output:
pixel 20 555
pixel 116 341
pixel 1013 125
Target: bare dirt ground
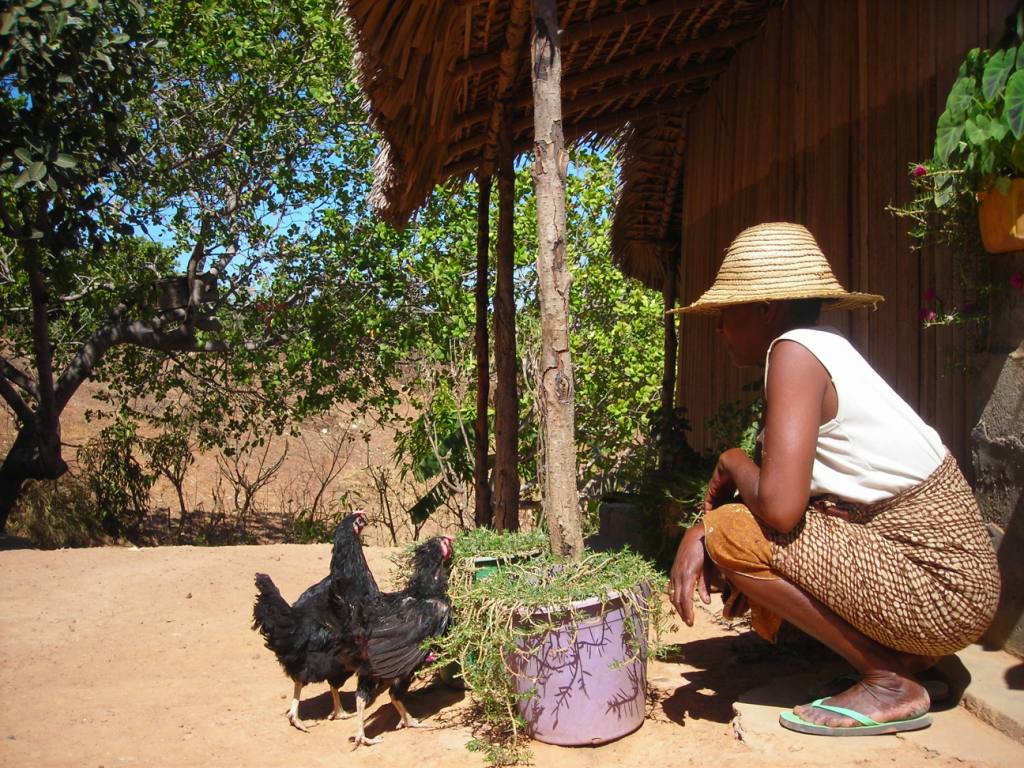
pixel 121 656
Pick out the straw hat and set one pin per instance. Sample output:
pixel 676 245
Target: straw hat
pixel 776 262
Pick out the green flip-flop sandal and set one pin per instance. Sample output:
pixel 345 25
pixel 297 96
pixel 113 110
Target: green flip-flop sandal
pixel 867 727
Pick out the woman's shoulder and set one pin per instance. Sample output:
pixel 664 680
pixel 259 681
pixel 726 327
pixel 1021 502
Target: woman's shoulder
pixel 822 341
pixel 816 333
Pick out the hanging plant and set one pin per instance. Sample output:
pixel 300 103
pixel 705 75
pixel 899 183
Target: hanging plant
pixel 978 156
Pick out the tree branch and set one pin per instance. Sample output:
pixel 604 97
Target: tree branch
pixel 15 401
pixel 15 375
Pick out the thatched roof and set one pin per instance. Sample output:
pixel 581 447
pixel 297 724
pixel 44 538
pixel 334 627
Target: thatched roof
pixel 646 229
pixel 438 72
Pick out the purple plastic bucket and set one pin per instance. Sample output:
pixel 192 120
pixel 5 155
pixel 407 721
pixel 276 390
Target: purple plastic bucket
pixel 584 692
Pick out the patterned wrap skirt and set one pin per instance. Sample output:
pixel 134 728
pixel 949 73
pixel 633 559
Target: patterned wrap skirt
pixel 915 572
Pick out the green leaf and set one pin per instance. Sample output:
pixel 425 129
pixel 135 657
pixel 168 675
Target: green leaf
pixel 1017 156
pixel 959 99
pixel 947 136
pixel 23 154
pixel 37 170
pixel 6 22
pixel 996 71
pixel 975 130
pixel 22 180
pixel 1013 107
pixel 1020 58
pixel 65 161
pixel 997 130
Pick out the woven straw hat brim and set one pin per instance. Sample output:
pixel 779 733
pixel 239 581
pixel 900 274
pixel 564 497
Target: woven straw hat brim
pixel 778 261
pixel 847 300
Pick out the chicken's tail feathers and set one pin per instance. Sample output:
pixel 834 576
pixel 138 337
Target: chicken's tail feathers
pixel 271 611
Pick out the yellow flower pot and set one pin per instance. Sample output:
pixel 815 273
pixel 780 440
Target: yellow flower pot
pixel 1001 218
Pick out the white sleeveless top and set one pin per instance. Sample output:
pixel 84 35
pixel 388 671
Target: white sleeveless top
pixel 876 445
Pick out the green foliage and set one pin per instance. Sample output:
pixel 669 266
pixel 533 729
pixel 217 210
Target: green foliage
pixel 616 333
pixel 119 484
pixel 615 329
pixel 228 137
pixel 492 614
pixel 70 71
pixel 500 545
pixel 738 423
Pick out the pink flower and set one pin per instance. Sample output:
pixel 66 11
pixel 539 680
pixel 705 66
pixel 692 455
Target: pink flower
pixel 1017 281
pixel 927 315
pixel 969 308
pixel 929 295
pixel 920 170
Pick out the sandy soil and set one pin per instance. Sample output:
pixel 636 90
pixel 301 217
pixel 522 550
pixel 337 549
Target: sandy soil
pixel 119 656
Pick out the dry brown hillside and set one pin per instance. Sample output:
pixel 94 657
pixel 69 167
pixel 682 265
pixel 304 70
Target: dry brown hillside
pixel 337 462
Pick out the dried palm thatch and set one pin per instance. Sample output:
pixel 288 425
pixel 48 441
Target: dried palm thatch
pixel 442 75
pixel 646 229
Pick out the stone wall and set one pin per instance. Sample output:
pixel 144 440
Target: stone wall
pixel 997 453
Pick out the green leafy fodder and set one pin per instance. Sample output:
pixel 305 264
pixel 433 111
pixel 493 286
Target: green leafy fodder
pixel 494 616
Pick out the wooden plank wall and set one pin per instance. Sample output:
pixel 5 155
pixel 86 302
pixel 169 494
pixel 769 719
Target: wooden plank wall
pixel 816 122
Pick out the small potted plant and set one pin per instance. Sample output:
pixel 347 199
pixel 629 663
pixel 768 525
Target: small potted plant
pixel 555 650
pixel 972 183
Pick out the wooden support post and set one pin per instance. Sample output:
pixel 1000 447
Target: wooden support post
pixel 668 376
pixel 506 403
pixel 550 164
pixel 483 514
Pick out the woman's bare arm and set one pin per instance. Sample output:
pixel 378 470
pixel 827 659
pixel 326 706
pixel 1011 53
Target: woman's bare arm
pixel 778 491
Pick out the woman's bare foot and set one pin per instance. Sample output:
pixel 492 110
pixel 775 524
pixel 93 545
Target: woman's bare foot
pixel 883 696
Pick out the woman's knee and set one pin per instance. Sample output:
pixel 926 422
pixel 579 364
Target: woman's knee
pixel 735 541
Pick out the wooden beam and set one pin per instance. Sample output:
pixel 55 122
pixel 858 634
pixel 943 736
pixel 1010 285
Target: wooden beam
pixel 668 375
pixel 506 401
pixel 483 513
pixel 586 30
pixel 554 280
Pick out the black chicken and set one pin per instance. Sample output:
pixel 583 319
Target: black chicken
pixel 394 628
pixel 314 638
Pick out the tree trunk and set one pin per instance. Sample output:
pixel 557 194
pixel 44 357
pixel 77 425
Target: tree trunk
pixel 668 377
pixel 506 404
pixel 483 514
pixel 561 499
pixel 27 459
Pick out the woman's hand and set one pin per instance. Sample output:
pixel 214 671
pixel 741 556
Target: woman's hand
pixel 691 570
pixel 722 486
